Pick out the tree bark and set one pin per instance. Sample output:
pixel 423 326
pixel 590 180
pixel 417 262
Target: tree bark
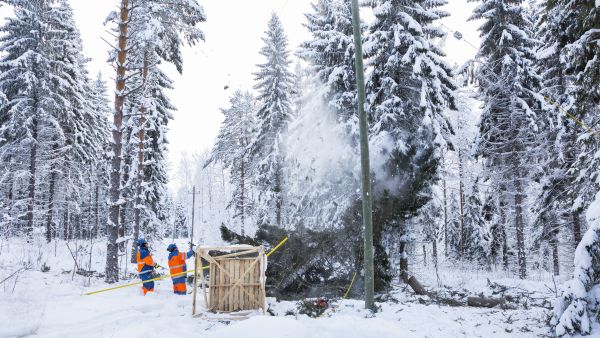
pixel 112 260
pixel 242 192
pixel 576 229
pixel 445 213
pixel 504 236
pixel 97 211
pixel 32 182
pixel 140 165
pixel 488 302
pixel 555 260
pixel 66 222
pixel 462 204
pixel 403 259
pixel 434 253
pixel 279 198
pixel 405 275
pixel 50 212
pixel 519 227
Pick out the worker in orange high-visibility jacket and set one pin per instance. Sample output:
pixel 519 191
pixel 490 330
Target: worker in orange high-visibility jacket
pixel 145 265
pixel 178 268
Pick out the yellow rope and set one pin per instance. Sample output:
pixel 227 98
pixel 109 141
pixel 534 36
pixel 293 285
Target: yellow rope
pixel 349 287
pixel 169 276
pixel 581 123
pixel 277 246
pixel 343 297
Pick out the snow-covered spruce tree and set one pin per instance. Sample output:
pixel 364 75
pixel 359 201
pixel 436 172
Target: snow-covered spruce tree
pixel 330 54
pixel 24 71
pixel 581 56
pixel 508 126
pixel 408 89
pixel 180 221
pixel 556 211
pixel 477 237
pixel 84 128
pixel 232 149
pixel 322 139
pixel 431 217
pixel 274 82
pixel 99 103
pixel 48 116
pixel 473 236
pixel 578 305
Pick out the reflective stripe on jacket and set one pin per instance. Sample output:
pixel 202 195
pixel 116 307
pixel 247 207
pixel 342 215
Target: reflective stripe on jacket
pixel 177 262
pixel 145 263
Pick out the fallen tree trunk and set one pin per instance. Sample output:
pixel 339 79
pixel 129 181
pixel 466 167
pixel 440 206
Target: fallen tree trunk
pixel 413 283
pixel 488 302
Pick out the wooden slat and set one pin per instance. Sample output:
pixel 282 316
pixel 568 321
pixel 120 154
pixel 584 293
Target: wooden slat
pixel 236 293
pixel 230 285
pixel 248 283
pixel 262 295
pixel 235 254
pixel 225 248
pixel 235 283
pixel 198 261
pixel 252 277
pixel 213 290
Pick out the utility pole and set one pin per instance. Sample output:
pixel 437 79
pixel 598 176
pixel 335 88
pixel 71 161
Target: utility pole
pixel 367 202
pixel 193 209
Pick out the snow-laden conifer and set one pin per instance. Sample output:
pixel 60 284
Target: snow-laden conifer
pixel 274 81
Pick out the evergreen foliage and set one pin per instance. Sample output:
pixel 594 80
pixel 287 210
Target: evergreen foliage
pixel 509 87
pixel 273 83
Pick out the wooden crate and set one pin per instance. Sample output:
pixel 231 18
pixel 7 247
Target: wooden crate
pixel 237 279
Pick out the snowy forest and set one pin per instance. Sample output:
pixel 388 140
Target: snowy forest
pixel 484 176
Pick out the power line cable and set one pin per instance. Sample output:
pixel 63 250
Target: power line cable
pixel 458 35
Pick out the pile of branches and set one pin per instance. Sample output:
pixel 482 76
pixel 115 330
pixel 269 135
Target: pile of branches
pixel 310 264
pixel 499 296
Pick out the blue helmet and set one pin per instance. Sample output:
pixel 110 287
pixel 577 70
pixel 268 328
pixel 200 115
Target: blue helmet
pixel 171 247
pixel 141 242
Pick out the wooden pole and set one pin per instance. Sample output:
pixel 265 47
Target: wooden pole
pixel 203 286
pixel 367 201
pixel 263 279
pixel 193 208
pixel 195 283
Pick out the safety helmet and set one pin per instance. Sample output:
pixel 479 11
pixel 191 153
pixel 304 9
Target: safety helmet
pixel 141 242
pixel 171 247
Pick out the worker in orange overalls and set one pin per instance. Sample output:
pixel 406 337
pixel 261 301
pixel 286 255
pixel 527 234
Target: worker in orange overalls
pixel 145 265
pixel 178 268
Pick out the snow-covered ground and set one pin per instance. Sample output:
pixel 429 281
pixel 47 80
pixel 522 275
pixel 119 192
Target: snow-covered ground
pixel 52 304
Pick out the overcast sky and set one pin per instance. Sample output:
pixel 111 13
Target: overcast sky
pixel 228 57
